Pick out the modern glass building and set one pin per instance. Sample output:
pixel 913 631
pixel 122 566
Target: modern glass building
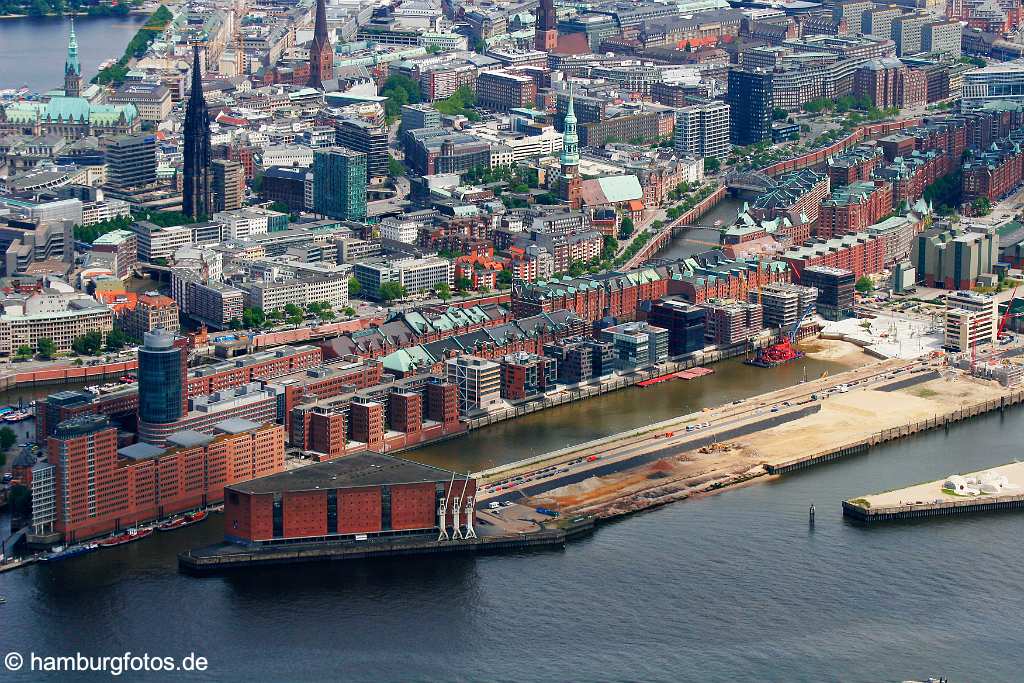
pixel 162 367
pixel 750 101
pixel 339 183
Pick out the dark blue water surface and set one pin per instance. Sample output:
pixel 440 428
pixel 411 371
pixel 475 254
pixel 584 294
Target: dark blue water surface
pixel 731 587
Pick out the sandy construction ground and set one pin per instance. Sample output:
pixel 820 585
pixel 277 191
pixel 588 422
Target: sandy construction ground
pixel 847 418
pixel 835 350
pixel 656 483
pixel 844 418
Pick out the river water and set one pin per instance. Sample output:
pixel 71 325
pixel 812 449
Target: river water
pixel 736 586
pixel 33 49
pixel 697 240
pixel 732 587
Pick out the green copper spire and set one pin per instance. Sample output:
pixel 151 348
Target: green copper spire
pixel 72 65
pixel 570 141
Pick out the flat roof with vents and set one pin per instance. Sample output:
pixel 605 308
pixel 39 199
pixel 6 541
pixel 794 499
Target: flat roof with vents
pixel 349 471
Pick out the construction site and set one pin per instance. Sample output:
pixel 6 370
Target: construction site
pixel 813 422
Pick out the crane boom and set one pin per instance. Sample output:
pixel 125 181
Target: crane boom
pixel 796 326
pixel 1006 316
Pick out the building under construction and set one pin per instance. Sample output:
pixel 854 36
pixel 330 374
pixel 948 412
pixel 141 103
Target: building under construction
pixel 357 497
pixel 784 303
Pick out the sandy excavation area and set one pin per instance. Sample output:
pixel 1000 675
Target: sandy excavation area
pixel 835 350
pixel 849 417
pixel 663 481
pixel 844 418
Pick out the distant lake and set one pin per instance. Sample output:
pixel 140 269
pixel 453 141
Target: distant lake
pixel 32 49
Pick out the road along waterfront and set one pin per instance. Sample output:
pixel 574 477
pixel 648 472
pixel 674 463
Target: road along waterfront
pixel 615 412
pixel 776 433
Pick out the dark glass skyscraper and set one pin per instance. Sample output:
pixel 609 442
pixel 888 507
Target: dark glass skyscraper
pixel 750 101
pixel 197 198
pixel 162 368
pixel 339 183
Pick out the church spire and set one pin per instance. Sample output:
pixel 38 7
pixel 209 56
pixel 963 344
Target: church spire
pixel 570 140
pixel 321 55
pixel 72 64
pixel 546 33
pixel 72 67
pixel 196 198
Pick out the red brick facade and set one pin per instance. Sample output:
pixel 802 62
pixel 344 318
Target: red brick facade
pixel 856 213
pixel 106 492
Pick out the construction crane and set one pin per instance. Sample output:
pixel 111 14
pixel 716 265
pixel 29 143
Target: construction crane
pixel 784 351
pixel 1006 316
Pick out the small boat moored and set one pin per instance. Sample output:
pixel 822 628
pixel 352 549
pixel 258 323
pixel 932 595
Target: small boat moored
pixel 67 553
pixel 183 521
pixel 127 536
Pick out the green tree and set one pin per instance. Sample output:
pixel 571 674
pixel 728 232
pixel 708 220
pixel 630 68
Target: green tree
pixel 399 90
pixel 444 292
pixel 7 438
pixel 609 247
pixel 321 309
pixel 89 344
pixel 395 167
pixel 463 283
pixel 626 228
pixel 389 291
pixel 981 206
pixel 778 114
pixel 47 349
pixel 354 287
pixel 24 352
pixel 116 340
pixel 253 317
pixel 577 268
pixel 864 284
pixel 712 165
pixel 504 278
pixel 291 310
pixel 349 311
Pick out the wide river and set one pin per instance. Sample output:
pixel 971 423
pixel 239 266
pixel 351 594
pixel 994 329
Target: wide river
pixel 732 587
pixel 33 49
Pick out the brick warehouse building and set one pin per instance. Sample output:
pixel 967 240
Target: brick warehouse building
pixel 363 494
pixel 854 208
pixel 98 488
pixel 856 164
pixel 200 382
pixel 993 173
pixel 861 253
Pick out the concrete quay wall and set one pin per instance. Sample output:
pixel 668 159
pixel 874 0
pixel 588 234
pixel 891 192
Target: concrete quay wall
pixel 862 446
pixel 223 557
pixel 943 509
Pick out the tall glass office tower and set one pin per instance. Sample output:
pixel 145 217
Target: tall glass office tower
pixel 162 367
